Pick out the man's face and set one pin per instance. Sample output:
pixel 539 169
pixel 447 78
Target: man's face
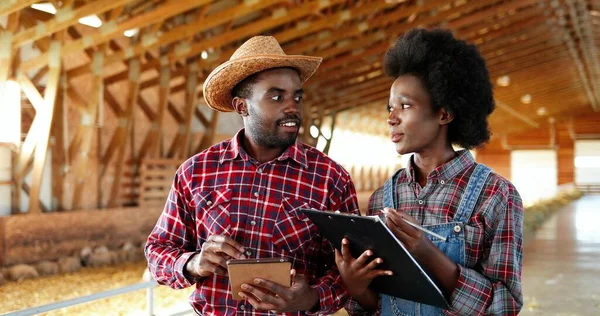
pixel 274 116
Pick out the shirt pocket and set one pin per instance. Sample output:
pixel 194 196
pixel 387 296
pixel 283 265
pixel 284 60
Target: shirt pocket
pixel 293 231
pixel 475 244
pixel 213 210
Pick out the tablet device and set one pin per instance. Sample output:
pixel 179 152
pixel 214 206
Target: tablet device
pixel 409 281
pixel 246 270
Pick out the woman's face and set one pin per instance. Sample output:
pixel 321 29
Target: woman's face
pixel 414 125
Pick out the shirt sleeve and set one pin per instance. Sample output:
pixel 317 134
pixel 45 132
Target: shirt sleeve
pixel 332 294
pixel 173 240
pixel 495 287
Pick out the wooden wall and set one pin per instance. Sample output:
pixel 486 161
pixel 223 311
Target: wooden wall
pixel 30 238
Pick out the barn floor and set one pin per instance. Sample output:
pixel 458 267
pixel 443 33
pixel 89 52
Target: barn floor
pixel 45 290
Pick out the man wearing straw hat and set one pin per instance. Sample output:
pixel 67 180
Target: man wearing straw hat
pixel 240 198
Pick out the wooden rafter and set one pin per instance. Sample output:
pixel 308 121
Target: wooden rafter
pixel 111 30
pixel 65 17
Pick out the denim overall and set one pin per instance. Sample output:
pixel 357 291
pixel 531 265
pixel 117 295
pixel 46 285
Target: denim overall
pixel 454 247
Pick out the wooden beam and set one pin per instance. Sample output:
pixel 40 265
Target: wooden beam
pixel 156 149
pixel 6 53
pixel 189 29
pixel 111 30
pixel 232 36
pixel 44 132
pixel 59 148
pixel 65 17
pixel 208 139
pixel 88 123
pixel 123 129
pixel 10 6
pixel 190 106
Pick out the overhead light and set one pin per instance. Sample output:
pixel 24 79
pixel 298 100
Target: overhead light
pixel 91 20
pixel 45 7
pixel 204 54
pixel 595 13
pixel 131 32
pixel 503 81
pixel 526 99
pixel 542 111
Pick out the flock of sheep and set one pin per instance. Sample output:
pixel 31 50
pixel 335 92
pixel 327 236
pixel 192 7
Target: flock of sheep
pixel 87 257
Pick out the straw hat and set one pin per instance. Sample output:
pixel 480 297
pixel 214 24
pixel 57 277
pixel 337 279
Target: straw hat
pixel 255 55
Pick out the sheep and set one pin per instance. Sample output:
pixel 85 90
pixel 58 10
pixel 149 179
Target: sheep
pixel 98 257
pixel 69 264
pixel 46 267
pixel 21 272
pixel 130 253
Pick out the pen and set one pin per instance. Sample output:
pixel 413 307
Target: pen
pixel 425 230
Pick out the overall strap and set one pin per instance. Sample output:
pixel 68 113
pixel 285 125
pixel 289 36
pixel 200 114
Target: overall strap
pixel 389 190
pixel 471 194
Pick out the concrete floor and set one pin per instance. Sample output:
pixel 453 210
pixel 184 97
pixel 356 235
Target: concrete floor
pixel 561 262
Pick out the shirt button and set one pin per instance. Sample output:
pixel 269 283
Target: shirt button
pixel 457 229
pixel 442 182
pixel 209 203
pixel 253 223
pixel 260 170
pixel 421 202
pixel 242 307
pixel 248 253
pixel 256 194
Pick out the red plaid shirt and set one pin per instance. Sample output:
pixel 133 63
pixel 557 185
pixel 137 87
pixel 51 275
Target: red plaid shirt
pixel 490 281
pixel 224 191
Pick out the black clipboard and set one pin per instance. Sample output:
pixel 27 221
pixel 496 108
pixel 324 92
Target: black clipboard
pixel 409 281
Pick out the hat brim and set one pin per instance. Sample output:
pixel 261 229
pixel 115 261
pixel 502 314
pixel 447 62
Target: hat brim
pixel 219 83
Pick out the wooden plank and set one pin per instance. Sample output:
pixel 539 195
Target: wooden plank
pixel 65 16
pixel 190 106
pixel 44 132
pixel 112 30
pixel 88 123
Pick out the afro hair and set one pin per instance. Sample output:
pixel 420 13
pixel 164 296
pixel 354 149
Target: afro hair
pixel 455 75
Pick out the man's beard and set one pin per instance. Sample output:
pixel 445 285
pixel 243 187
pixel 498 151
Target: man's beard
pixel 270 137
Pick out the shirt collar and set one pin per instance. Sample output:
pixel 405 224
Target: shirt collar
pixel 447 171
pixel 234 150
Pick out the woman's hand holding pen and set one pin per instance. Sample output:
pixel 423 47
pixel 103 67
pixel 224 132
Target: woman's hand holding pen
pixel 358 273
pixel 413 239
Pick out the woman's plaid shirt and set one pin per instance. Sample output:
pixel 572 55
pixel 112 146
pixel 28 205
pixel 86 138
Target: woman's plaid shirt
pixel 490 282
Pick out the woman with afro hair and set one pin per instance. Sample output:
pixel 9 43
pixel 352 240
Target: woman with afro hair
pixel 442 96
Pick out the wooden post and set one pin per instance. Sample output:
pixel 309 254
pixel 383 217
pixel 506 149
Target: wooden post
pixel 565 155
pixel 125 124
pixel 328 145
pixel 47 113
pixel 88 122
pixel 190 106
pixel 59 150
